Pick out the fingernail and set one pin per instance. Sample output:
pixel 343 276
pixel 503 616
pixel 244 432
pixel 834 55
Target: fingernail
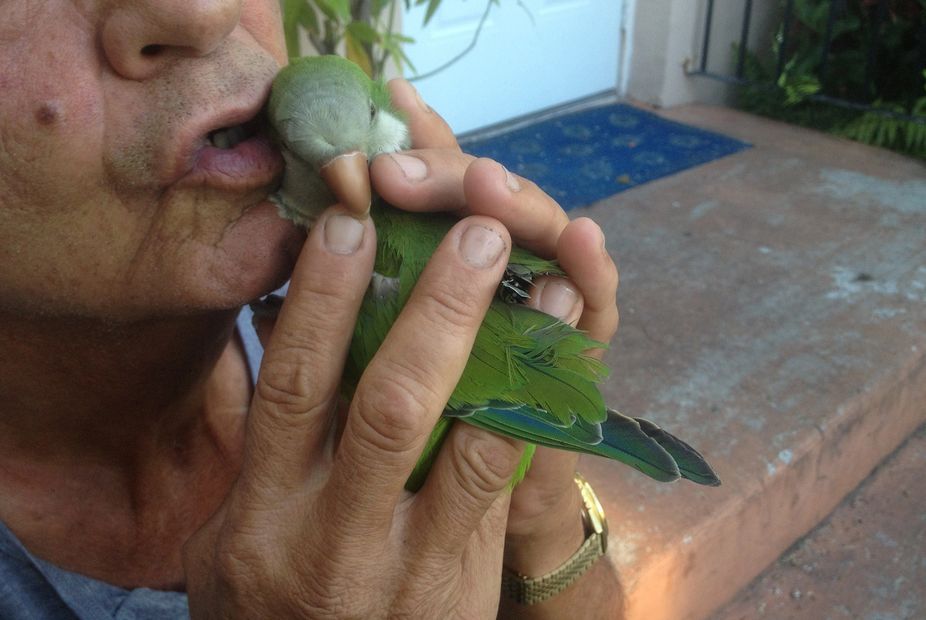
pixel 343 234
pixel 512 181
pixel 413 168
pixel 481 246
pixel 557 299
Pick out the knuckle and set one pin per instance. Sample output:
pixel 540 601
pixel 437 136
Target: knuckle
pixel 482 463
pixel 603 324
pixel 612 276
pixel 235 563
pixel 324 591
pixel 452 309
pixel 603 295
pixel 238 563
pixel 428 593
pixel 297 582
pixel 389 406
pixel 439 125
pixel 322 312
pixel 614 320
pixel 289 385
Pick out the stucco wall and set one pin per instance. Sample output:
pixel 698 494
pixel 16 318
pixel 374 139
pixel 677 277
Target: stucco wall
pixel 668 34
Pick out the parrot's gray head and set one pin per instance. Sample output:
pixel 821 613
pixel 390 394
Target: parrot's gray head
pixel 321 108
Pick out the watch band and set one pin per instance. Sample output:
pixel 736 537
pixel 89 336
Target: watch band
pixel 532 590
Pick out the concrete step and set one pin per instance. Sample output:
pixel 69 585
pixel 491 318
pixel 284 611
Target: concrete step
pixel 867 560
pixel 773 310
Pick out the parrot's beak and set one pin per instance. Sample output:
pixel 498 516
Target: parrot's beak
pixel 348 178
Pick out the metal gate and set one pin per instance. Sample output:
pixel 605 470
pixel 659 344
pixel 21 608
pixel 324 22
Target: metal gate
pixel 875 13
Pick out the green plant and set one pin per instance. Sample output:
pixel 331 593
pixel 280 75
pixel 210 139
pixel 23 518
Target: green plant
pixel 893 132
pixel 872 58
pixel 365 28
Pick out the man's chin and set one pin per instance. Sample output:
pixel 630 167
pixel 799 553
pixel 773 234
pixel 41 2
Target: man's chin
pixel 263 248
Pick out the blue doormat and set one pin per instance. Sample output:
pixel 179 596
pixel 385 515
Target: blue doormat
pixel 581 157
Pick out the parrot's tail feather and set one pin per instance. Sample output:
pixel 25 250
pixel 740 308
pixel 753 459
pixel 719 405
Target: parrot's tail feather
pixel 623 441
pixel 691 464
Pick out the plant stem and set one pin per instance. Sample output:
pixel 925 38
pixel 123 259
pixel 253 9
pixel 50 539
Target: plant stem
pixel 379 66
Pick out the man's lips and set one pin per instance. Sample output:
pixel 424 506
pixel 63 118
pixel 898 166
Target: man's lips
pixel 249 165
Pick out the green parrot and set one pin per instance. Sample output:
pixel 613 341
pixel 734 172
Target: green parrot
pixel 529 375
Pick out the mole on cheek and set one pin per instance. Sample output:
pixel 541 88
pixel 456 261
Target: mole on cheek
pixel 48 113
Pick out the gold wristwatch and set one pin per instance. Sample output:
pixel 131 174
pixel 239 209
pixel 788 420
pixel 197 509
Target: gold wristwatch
pixel 532 590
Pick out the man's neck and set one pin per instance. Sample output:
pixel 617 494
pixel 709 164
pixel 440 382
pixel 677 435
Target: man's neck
pixel 128 434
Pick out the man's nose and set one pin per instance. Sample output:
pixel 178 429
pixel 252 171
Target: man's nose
pixel 140 37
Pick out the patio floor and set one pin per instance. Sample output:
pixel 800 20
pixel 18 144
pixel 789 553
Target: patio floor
pixel 773 315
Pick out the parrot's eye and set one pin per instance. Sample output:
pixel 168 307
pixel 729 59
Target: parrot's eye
pixel 372 112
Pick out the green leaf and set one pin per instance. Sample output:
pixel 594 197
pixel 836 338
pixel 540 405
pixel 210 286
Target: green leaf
pixel 356 53
pixel 293 11
pixel 398 54
pixel 432 8
pixel 363 32
pixel 308 19
pixel 326 9
pixel 336 10
pixel 379 5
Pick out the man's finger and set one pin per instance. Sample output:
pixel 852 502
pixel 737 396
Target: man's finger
pixel 422 180
pixel 428 129
pixel 297 387
pixel 409 381
pixel 534 219
pixel 447 180
pixel 582 254
pixel 473 468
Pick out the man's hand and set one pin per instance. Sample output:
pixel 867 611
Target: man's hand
pixel 318 525
pixel 544 528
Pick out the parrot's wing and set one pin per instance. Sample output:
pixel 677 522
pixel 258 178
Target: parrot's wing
pixel 634 441
pixel 523 356
pixel 622 438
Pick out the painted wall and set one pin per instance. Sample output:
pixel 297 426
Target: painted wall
pixel 668 34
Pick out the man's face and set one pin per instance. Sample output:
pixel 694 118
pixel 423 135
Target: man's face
pixel 113 200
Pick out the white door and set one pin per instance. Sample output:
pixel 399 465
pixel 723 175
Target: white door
pixel 530 55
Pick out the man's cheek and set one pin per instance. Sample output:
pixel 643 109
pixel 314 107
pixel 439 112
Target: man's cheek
pixel 263 20
pixel 50 115
pixel 48 153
